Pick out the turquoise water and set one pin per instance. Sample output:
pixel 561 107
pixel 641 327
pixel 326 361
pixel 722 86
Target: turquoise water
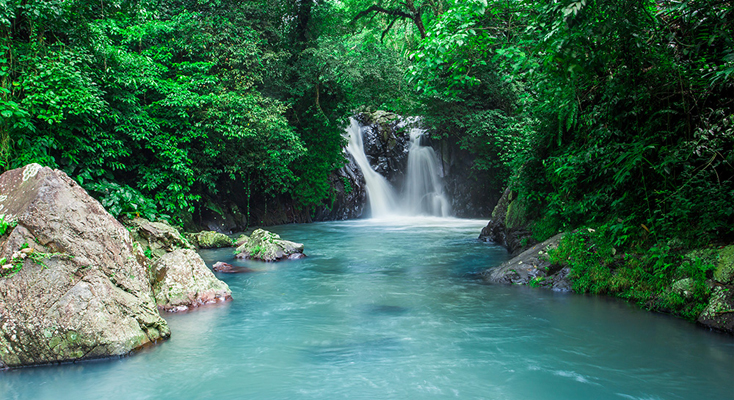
pixel 393 310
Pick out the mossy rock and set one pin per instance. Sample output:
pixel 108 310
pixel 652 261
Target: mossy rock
pixel 268 246
pixel 684 288
pixel 725 266
pixel 156 238
pixel 242 239
pixel 719 314
pixel 517 215
pixel 211 239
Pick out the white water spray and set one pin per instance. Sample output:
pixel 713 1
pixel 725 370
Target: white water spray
pixel 381 195
pixel 423 194
pixel 423 187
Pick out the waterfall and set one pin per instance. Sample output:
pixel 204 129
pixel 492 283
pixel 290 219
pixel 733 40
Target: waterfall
pixel 423 187
pixel 423 192
pixel 379 192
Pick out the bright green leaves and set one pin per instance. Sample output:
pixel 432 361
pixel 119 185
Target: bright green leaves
pixel 446 61
pixel 57 86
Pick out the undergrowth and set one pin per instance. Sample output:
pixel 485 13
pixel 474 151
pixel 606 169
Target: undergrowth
pixel 664 277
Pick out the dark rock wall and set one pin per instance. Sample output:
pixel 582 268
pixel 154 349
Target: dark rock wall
pixel 470 191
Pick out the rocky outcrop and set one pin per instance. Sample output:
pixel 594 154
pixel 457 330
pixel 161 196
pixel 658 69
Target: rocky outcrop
pixel 532 267
pixel 84 294
pixel 268 246
pixel 210 240
pixel 473 192
pixel 156 238
pixel 386 144
pixel 508 225
pixel 182 281
pixel 719 313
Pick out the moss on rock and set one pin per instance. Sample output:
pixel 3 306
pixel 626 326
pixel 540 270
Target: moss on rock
pixel 211 239
pixel 725 266
pixel 267 246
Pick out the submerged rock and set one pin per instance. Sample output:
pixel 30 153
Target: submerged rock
pixel 181 281
pixel 225 268
pixel 210 239
pixel 532 267
pixel 267 246
pixel 156 238
pixel 84 293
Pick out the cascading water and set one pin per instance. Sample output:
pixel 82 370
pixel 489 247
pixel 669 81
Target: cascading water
pixel 423 187
pixel 423 194
pixel 379 192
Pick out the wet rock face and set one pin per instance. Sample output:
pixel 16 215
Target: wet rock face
pixel 386 144
pixel 719 314
pixel 182 281
pixel 86 294
pixel 267 246
pixel 532 267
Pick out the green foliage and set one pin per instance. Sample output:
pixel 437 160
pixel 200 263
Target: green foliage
pixel 6 224
pixel 630 128
pixel 122 200
pixel 658 278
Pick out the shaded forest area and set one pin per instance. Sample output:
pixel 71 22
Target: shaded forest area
pixel 604 114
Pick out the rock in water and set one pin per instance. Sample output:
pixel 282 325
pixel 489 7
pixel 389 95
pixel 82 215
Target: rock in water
pixel 532 267
pixel 181 281
pixel 267 246
pixel 211 239
pixel 90 297
pixel 225 268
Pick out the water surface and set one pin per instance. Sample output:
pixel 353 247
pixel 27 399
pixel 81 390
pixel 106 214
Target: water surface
pixel 392 309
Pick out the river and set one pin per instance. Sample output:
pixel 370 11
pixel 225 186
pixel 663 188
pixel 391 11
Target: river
pixel 392 309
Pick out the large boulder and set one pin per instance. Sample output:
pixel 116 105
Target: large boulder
pixel 81 292
pixel 182 281
pixel 210 240
pixel 156 238
pixel 268 246
pixel 532 267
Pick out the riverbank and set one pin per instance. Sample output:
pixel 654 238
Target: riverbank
pixel 670 277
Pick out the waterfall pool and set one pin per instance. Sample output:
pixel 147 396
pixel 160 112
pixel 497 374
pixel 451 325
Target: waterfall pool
pixel 392 309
